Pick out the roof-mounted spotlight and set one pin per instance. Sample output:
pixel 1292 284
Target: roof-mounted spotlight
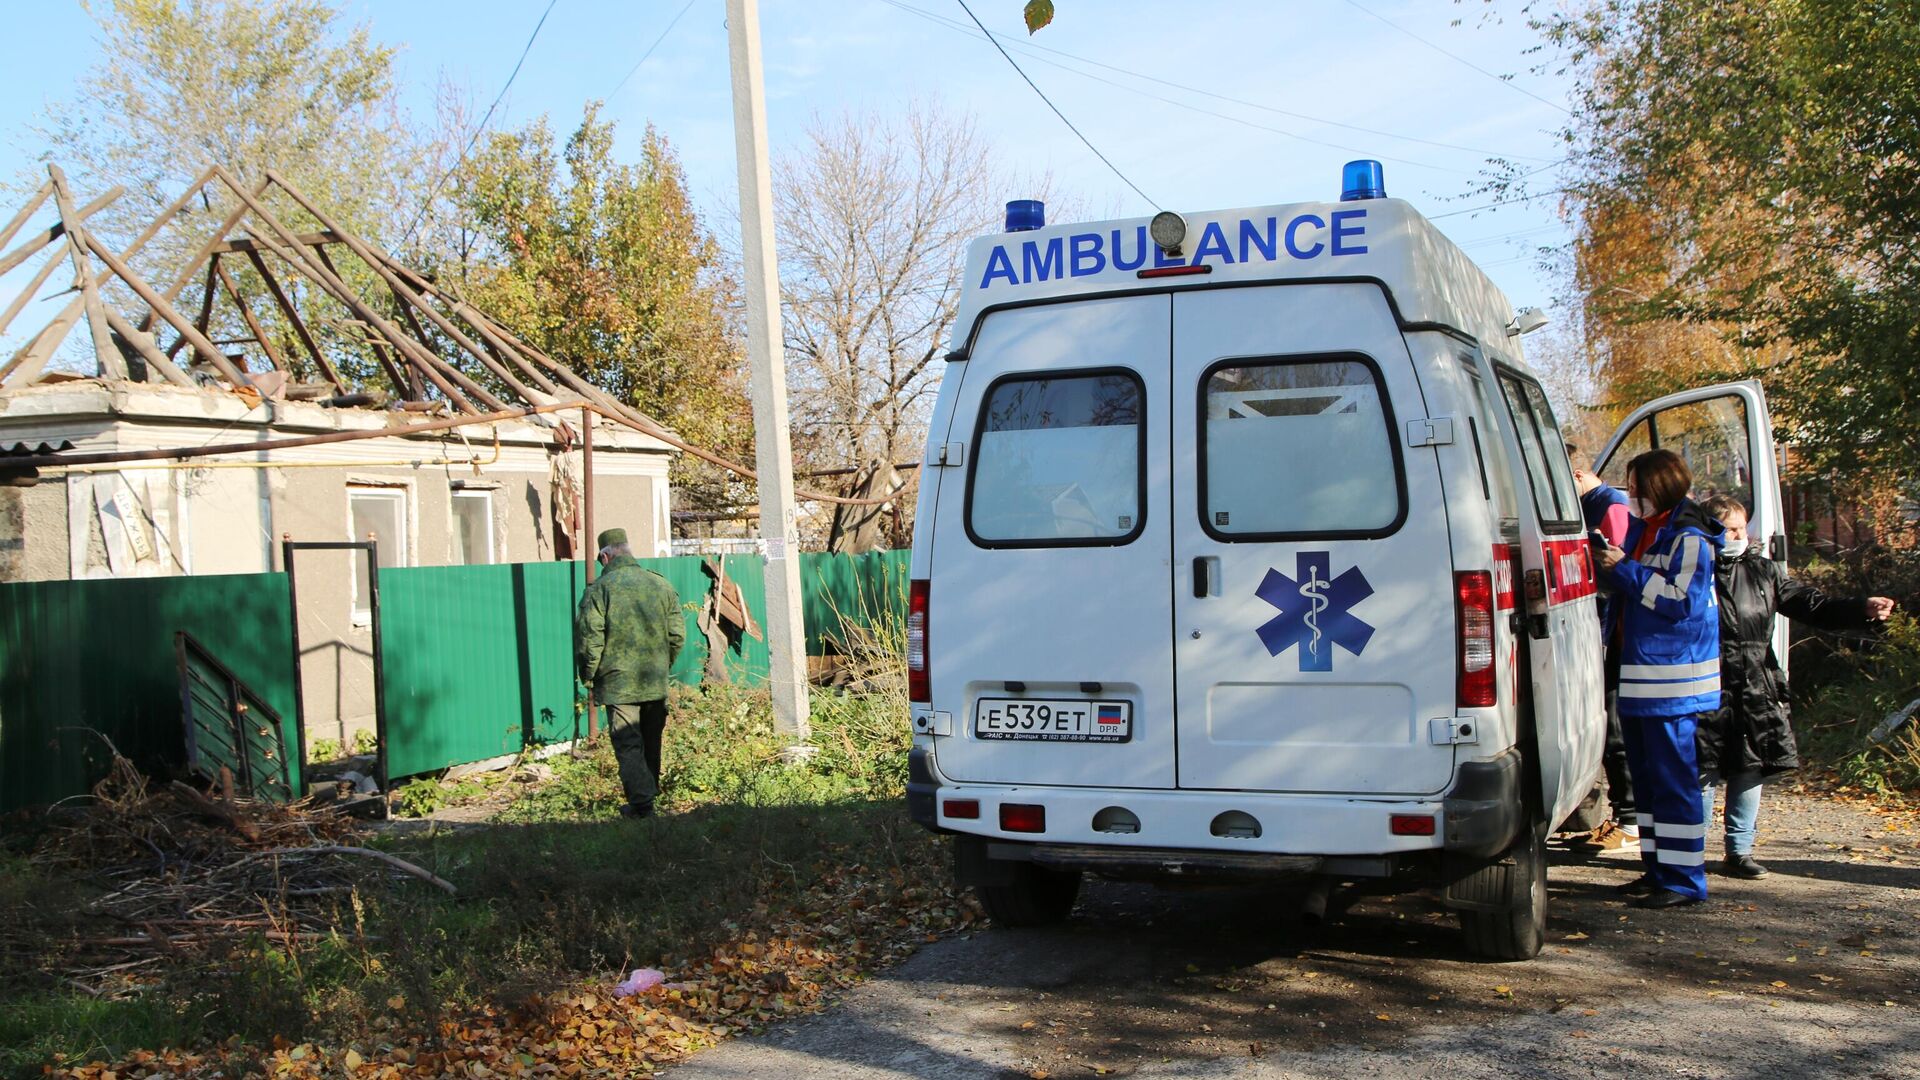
pixel 1168 230
pixel 1526 321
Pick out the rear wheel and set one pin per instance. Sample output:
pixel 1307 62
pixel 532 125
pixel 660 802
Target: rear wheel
pixel 1518 884
pixel 1032 895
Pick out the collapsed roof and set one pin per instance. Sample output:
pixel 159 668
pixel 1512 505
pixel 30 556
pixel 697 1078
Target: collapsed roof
pixel 466 363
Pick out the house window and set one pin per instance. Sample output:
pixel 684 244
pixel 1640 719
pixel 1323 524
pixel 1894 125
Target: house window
pixel 380 515
pixel 473 527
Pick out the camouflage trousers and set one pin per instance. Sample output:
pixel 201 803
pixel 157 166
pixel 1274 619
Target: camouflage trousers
pixel 635 729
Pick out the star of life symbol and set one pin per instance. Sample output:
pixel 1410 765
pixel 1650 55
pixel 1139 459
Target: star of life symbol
pixel 1315 611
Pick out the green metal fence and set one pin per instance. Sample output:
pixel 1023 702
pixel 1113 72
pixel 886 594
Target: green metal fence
pixel 465 683
pixel 478 659
pixel 80 656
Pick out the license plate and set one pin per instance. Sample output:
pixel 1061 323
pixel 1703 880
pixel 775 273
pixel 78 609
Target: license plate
pixel 1053 720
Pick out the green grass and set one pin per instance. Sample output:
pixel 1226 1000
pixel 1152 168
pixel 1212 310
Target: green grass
pixel 561 890
pixel 37 1024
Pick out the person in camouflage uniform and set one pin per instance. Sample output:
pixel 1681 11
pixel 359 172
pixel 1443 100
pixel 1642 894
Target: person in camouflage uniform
pixel 626 635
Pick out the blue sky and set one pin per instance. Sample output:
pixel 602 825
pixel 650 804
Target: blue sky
pixel 1328 62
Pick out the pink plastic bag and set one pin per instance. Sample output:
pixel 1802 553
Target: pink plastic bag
pixel 641 981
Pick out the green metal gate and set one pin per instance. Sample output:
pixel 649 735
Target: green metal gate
pixel 81 656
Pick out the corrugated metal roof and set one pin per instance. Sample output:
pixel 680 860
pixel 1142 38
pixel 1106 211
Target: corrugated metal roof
pixel 26 448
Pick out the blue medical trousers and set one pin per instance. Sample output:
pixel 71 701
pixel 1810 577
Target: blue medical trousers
pixel 1666 788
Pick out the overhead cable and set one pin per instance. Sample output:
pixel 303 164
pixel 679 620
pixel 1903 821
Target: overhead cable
pixel 656 44
pixel 1031 48
pixel 1456 57
pixel 1055 108
pixel 482 126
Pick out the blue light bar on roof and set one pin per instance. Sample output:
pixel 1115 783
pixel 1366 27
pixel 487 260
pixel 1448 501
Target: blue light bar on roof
pixel 1363 179
pixel 1025 215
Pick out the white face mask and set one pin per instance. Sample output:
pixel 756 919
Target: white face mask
pixel 1642 508
pixel 1733 549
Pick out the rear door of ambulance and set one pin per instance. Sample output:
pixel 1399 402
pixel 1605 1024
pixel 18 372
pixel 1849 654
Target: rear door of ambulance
pixel 1048 602
pixel 1314 624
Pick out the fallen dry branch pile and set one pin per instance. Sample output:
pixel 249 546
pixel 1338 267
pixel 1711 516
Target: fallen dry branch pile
pixel 182 870
pixel 784 963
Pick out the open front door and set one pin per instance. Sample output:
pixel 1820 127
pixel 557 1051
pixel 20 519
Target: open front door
pixel 1725 436
pixel 1560 623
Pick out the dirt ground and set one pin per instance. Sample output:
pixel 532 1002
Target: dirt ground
pixel 1811 971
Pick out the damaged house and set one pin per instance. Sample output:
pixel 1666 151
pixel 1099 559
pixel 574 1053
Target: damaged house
pixel 285 379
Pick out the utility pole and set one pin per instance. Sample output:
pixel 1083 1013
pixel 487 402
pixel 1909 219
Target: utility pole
pixel 773 447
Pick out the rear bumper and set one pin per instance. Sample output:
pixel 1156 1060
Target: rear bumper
pixel 1486 807
pixel 1477 818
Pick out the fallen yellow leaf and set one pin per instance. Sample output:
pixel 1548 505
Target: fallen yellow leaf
pixel 1382 1016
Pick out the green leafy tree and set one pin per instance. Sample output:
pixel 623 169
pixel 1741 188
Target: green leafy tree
pixel 1748 190
pixel 606 267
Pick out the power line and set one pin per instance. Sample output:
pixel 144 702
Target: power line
pixel 960 27
pixel 1055 108
pixel 1499 202
pixel 650 48
pixel 482 126
pixel 1355 4
pixel 1030 47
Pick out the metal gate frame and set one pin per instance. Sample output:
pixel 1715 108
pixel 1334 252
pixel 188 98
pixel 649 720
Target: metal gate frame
pixel 288 547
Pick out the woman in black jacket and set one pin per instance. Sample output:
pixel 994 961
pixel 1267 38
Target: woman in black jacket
pixel 1751 738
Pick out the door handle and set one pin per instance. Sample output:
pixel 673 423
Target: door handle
pixel 1205 567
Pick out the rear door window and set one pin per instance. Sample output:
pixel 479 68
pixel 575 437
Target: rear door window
pixel 1059 460
pixel 1548 469
pixel 1298 448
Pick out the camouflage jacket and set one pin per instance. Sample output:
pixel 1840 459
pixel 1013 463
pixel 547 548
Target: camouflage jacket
pixel 627 633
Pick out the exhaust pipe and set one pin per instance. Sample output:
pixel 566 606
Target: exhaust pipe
pixel 1313 905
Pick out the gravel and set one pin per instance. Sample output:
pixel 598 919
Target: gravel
pixel 1810 971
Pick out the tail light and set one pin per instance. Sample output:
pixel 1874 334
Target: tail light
pixel 1473 608
pixel 1411 824
pixel 1023 817
pixel 917 643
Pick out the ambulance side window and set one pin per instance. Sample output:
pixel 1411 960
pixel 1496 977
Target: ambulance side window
pixel 1059 460
pixel 1545 453
pixel 1298 448
pixel 1485 432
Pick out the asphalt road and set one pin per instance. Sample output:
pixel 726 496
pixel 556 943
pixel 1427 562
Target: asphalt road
pixel 1812 971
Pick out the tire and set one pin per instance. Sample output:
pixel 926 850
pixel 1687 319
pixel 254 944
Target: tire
pixel 1035 896
pixel 1520 880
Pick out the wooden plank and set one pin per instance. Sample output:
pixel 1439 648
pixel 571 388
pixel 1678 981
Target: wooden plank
pixel 489 331
pixel 206 306
pixel 244 244
pixel 19 219
pixel 31 360
pixel 431 366
pixel 142 343
pixel 207 350
pixel 54 232
pixel 407 385
pixel 33 289
pixel 246 314
pixel 112 364
pixel 72 310
pixel 293 319
pixel 219 236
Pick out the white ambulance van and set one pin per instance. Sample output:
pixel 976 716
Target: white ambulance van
pixel 1249 548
